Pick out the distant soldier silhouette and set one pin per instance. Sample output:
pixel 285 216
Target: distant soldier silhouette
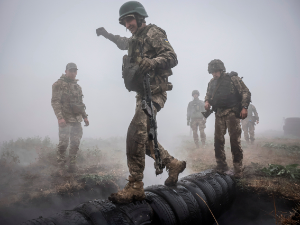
pixel 248 124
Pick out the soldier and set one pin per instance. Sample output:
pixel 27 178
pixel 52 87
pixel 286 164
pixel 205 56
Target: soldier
pixel 151 51
pixel 195 118
pixel 248 124
pixel 69 110
pixel 230 98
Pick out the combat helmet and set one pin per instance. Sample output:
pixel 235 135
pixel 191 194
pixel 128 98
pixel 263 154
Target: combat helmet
pixel 133 8
pixel 216 65
pixel 195 92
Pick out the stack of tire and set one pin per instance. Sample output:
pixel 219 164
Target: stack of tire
pixel 196 199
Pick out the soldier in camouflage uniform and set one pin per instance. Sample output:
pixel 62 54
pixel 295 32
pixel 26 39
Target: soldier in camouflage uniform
pixel 152 52
pixel 248 124
pixel 69 110
pixel 195 118
pixel 230 98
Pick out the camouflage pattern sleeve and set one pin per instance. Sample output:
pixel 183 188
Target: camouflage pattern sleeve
pixel 189 112
pixel 255 113
pixel 121 42
pixel 166 57
pixel 208 92
pixel 243 90
pixel 56 100
pixel 84 115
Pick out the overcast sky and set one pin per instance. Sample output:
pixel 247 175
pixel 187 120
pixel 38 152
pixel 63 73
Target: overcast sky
pixel 257 39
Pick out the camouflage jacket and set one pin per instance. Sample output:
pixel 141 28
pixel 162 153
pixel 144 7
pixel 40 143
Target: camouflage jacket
pixel 252 114
pixel 194 110
pixel 151 42
pixel 66 92
pixel 239 87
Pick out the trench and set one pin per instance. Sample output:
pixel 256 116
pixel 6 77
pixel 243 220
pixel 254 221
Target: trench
pixel 200 198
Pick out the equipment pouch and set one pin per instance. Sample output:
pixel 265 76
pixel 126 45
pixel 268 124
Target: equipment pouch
pixel 78 108
pixel 160 88
pixel 130 75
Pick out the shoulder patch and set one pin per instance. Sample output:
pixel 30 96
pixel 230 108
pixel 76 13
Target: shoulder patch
pixel 166 40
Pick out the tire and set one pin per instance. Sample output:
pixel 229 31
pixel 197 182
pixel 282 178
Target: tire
pixel 193 207
pixel 102 212
pixel 39 221
pixel 163 213
pixel 231 187
pixel 69 217
pixel 138 212
pixel 207 189
pixel 194 189
pixel 219 193
pixel 176 202
pixel 225 203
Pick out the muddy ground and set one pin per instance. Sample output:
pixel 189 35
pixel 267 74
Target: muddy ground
pixel 29 186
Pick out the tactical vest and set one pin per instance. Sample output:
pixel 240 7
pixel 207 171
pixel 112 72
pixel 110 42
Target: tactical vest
pixel 226 96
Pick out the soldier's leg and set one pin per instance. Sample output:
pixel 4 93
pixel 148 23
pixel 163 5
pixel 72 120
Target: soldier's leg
pixel 64 135
pixel 220 131
pixel 75 137
pixel 135 151
pixel 194 126
pixel 202 126
pixel 251 132
pixel 234 129
pixel 245 130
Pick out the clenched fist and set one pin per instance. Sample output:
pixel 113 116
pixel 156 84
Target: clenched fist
pixel 101 31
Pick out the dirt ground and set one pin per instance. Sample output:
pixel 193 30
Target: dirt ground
pixel 29 186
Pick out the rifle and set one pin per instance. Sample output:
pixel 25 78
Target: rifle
pixel 147 107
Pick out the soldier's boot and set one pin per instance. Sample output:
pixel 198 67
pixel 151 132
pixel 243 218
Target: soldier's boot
pixel 252 141
pixel 197 144
pixel 238 170
pixel 203 143
pixel 133 191
pixel 222 167
pixel 61 164
pixel 72 167
pixel 174 168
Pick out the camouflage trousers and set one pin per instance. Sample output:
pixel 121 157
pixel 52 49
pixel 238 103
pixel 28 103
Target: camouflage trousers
pixel 231 122
pixel 195 123
pixel 72 132
pixel 248 128
pixel 138 144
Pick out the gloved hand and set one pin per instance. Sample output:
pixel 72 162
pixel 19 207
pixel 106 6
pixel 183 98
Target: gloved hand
pixel 188 123
pixel 101 31
pixel 146 65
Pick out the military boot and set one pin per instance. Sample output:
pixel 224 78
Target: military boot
pixel 72 167
pixel 221 167
pixel 61 164
pixel 174 168
pixel 133 191
pixel 238 170
pixel 197 144
pixel 203 143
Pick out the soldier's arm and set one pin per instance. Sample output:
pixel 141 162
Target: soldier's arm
pixel 56 100
pixel 188 112
pixel 84 115
pixel 243 90
pixel 121 42
pixel 208 93
pixel 166 57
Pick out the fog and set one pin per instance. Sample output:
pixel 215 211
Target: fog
pixel 257 39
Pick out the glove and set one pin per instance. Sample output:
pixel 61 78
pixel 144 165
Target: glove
pixel 101 31
pixel 188 123
pixel 146 65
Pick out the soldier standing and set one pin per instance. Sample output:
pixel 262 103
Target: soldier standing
pixel 248 124
pixel 195 118
pixel 230 98
pixel 69 110
pixel 151 51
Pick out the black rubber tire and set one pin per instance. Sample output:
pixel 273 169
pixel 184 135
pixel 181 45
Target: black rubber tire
pixel 193 207
pixel 138 213
pixel 69 217
pixel 103 212
pixel 39 221
pixel 194 189
pixel 207 189
pixel 225 204
pixel 163 214
pixel 219 193
pixel 176 202
pixel 93 211
pixel 231 187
